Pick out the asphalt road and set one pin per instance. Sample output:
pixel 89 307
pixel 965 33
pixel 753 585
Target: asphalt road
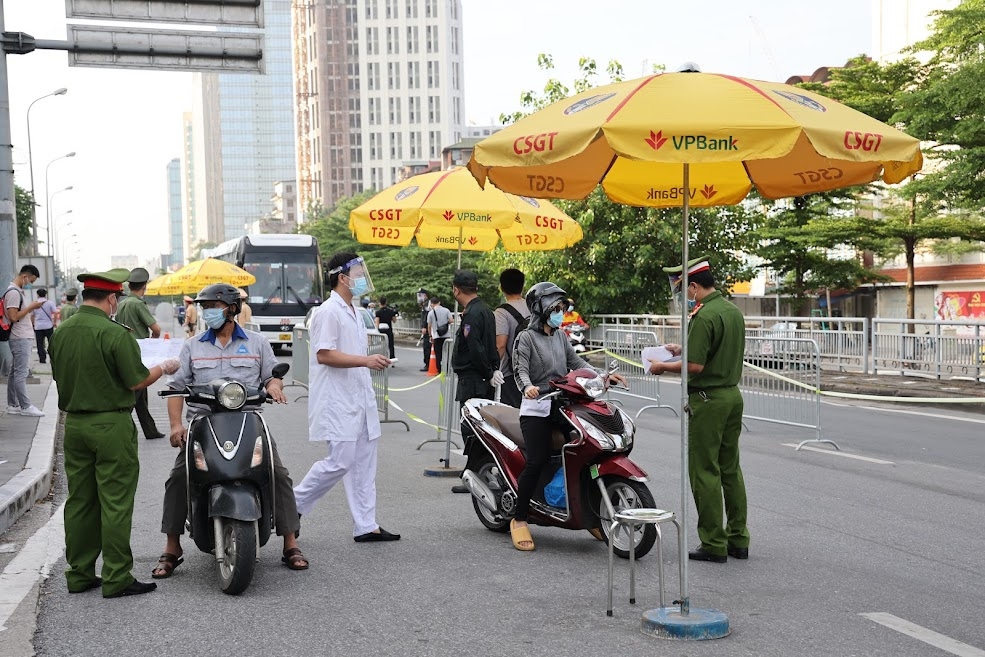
pixel 832 538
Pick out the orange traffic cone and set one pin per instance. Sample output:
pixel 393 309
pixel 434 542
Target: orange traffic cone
pixel 433 365
pixel 167 336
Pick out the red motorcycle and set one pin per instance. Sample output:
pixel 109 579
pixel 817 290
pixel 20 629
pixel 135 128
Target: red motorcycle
pixel 599 477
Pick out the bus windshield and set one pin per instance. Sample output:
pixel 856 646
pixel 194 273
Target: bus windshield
pixel 283 280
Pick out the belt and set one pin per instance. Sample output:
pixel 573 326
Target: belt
pixel 113 410
pixel 694 391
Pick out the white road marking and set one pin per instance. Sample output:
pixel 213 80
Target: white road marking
pixel 937 416
pixel 34 561
pixel 838 453
pixel 930 637
pixel 2 462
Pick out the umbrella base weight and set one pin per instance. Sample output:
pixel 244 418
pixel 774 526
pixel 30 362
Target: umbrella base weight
pixel 697 625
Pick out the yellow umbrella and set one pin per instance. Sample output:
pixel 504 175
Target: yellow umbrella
pixel 195 275
pixel 163 286
pixel 689 138
pixel 447 210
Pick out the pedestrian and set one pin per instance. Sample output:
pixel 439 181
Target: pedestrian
pixel 97 366
pixel 439 321
pixel 385 317
pixel 135 315
pixel 19 313
pixel 424 302
pixel 509 317
pixel 70 306
pixel 715 346
pixel 191 317
pixel 44 323
pixel 245 312
pixel 342 405
pixel 543 353
pixel 474 357
pixel 224 350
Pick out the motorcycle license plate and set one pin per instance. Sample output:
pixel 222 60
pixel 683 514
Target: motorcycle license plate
pixel 594 471
pixel 286 337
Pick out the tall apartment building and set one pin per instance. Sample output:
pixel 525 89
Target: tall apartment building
pixel 897 24
pixel 379 86
pixel 193 224
pixel 176 233
pixel 243 135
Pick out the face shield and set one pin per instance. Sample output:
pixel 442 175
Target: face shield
pixel 357 277
pixel 682 299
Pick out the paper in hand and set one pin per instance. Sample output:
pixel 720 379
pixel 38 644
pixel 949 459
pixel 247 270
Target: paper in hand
pixel 659 354
pixel 154 350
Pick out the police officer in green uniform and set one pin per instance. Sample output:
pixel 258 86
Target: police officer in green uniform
pixel 68 308
pixel 715 346
pixel 134 314
pixel 97 366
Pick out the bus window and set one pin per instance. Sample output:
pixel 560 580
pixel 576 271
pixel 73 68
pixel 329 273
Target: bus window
pixel 302 282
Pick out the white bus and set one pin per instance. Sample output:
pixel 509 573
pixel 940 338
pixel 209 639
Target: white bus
pixel 289 279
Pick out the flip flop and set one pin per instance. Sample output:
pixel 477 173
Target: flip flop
pixel 168 562
pixel 521 535
pixel 294 560
pixel 597 533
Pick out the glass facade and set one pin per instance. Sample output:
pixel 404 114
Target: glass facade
pixel 175 203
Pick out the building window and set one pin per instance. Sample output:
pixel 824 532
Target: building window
pixel 434 138
pixel 393 75
pixel 372 41
pixel 395 111
pixel 393 40
pixel 433 81
pixel 412 42
pixel 411 8
pixel 371 10
pixel 434 109
pixel 413 75
pixel 431 32
pixel 455 83
pixel 414 109
pixel 396 146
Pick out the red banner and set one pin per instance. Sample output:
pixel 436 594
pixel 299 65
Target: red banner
pixel 960 305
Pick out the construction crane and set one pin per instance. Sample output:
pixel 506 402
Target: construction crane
pixel 764 43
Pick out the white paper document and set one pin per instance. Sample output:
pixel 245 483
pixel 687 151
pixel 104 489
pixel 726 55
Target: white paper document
pixel 658 354
pixel 154 350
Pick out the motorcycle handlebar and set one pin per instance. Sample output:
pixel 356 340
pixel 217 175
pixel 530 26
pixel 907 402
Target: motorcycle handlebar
pixel 172 393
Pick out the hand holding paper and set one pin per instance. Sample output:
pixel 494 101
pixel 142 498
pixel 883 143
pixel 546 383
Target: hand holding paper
pixel 659 354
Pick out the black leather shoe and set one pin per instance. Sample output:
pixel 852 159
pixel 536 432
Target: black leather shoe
pixel 94 584
pixel 703 555
pixel 154 437
pixel 371 537
pixel 136 588
pixel 459 488
pixel 738 553
pixel 423 369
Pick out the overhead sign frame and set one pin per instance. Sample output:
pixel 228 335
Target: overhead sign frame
pixel 204 12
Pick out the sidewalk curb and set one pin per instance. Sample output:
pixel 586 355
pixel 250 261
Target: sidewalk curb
pixel 19 494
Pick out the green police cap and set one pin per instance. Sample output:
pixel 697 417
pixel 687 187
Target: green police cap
pixel 693 267
pixel 111 281
pixel 139 276
pixel 71 293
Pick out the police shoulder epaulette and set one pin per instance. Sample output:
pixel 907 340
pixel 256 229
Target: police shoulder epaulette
pixel 122 324
pixel 696 309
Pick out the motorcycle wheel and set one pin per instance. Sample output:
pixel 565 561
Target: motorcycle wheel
pixel 492 521
pixel 235 571
pixel 627 494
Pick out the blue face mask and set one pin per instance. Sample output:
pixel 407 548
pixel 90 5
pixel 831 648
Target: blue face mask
pixel 214 318
pixel 691 303
pixel 359 286
pixel 28 286
pixel 555 319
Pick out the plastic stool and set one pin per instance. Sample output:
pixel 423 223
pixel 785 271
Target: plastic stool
pixel 631 519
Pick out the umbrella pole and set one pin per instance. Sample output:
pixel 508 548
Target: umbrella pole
pixel 685 408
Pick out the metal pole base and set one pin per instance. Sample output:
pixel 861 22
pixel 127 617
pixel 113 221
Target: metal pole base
pixel 697 625
pixel 438 440
pixel 406 426
pixel 443 472
pixel 819 440
pixel 645 408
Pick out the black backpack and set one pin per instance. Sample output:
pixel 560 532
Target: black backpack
pixel 521 325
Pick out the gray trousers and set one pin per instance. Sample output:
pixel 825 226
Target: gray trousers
pixel 20 349
pixel 176 498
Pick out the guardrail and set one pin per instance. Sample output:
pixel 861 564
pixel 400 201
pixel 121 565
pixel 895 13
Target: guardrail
pixel 939 349
pixel 379 344
pixel 299 358
pixel 625 347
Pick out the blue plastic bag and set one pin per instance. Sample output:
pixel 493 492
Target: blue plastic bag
pixel 554 493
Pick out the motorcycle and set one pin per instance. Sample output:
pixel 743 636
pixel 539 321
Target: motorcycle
pixel 600 479
pixel 229 466
pixel 576 332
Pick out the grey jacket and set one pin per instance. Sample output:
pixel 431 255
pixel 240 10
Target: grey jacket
pixel 539 358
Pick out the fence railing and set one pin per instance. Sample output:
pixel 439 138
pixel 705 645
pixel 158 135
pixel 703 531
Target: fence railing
pixel 300 355
pixel 938 349
pixel 625 347
pixel 379 344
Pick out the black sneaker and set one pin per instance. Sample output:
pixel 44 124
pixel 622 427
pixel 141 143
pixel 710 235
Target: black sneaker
pixel 738 553
pixel 703 555
pixel 372 537
pixel 136 588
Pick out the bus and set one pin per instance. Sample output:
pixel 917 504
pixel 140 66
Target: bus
pixel 289 280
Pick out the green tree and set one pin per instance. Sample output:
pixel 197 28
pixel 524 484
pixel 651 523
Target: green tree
pixel 198 247
pixel 23 200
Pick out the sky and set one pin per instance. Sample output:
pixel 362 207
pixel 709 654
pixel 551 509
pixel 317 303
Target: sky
pixel 125 126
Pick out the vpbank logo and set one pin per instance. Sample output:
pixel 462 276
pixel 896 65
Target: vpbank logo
pixel 708 191
pixel 448 215
pixel 585 103
pixel 473 240
pixel 801 99
pixel 656 140
pixel 406 192
pixel 530 201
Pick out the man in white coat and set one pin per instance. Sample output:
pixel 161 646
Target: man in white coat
pixel 341 404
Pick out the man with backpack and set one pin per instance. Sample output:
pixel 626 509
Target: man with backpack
pixel 16 329
pixel 439 319
pixel 511 317
pixel 44 324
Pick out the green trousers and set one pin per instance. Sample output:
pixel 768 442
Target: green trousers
pixel 101 467
pixel 713 468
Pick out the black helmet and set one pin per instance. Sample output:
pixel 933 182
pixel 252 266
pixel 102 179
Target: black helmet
pixel 227 294
pixel 542 296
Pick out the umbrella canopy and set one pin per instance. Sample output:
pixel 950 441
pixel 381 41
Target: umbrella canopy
pixel 635 137
pixel 689 138
pixel 163 286
pixel 447 210
pixel 195 275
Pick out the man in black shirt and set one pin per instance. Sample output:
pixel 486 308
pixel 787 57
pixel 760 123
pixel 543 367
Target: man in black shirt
pixel 384 324
pixel 423 300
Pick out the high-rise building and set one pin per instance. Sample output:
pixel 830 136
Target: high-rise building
pixel 243 134
pixel 193 225
pixel 123 261
pixel 175 204
pixel 379 87
pixel 897 24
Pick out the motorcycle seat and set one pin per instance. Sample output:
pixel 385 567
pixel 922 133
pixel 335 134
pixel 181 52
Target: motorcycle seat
pixel 506 420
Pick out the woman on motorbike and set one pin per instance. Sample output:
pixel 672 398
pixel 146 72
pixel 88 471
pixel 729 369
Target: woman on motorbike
pixel 542 353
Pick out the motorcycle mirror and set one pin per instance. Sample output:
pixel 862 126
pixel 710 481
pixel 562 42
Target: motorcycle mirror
pixel 613 367
pixel 280 369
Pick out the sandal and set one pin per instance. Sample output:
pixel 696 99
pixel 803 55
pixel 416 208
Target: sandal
pixel 521 535
pixel 166 565
pixel 597 533
pixel 294 560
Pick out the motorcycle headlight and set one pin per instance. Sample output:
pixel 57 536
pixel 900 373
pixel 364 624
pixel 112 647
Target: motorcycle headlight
pixel 593 386
pixel 629 430
pixel 232 395
pixel 602 438
pixel 199 457
pixel 257 452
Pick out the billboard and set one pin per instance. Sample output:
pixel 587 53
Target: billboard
pixel 223 12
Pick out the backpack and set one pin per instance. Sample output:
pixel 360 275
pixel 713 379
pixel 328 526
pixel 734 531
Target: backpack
pixel 5 323
pixel 521 325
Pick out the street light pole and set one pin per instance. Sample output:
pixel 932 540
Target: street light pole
pixel 47 208
pixel 51 223
pixel 30 165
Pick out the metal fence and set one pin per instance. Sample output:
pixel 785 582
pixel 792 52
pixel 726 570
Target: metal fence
pixel 379 344
pixel 937 349
pixel 300 355
pixel 780 383
pixel 625 348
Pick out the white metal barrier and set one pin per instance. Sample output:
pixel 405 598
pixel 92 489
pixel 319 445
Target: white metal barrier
pixel 379 344
pixel 780 384
pixel 625 347
pixel 300 355
pixel 937 349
